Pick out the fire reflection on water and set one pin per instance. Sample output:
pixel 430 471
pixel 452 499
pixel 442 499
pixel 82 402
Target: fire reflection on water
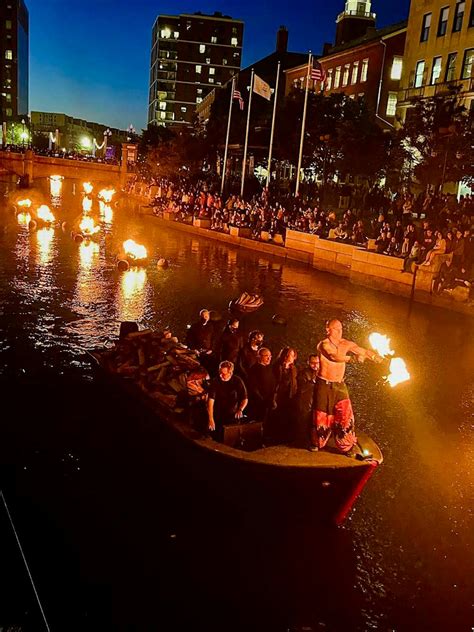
pixel 106 212
pixel 45 237
pixel 88 254
pixel 132 299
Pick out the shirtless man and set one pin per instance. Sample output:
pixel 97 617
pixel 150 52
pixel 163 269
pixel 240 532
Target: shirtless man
pixel 332 406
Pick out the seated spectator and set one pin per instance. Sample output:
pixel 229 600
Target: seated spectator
pixel 393 248
pixel 381 243
pixel 446 277
pixel 340 233
pixel 413 257
pixel 439 248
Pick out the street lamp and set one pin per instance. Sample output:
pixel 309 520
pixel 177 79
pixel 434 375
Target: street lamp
pixel 107 134
pixel 24 134
pixel 131 131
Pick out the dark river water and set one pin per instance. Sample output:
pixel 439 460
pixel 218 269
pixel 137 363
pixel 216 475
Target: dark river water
pixel 118 538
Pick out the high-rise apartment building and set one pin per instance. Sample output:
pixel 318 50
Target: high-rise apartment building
pixel 439 51
pixel 14 62
pixel 190 55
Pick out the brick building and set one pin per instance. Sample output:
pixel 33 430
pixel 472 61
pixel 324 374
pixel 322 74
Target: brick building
pixel 191 54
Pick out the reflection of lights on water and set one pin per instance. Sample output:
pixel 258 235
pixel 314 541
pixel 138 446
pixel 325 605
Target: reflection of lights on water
pixel 106 195
pixel 88 226
pixel 86 204
pixel 44 213
pixel 88 251
pixel 55 185
pixel 23 219
pixel 133 294
pixel 88 188
pixel 45 238
pixel 106 212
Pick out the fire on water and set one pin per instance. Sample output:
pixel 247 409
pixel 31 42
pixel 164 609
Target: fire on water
pixel 44 213
pixel 88 227
pixel 398 369
pixel 87 186
pixel 24 203
pixel 134 250
pixel 106 195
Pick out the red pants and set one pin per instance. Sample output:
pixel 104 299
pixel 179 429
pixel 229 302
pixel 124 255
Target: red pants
pixel 333 414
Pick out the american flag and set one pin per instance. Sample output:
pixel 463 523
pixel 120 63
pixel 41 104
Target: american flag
pixel 318 73
pixel 238 96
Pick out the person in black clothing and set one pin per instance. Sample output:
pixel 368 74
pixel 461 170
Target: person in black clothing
pixel 200 335
pixel 307 377
pixel 230 342
pixel 262 385
pixel 282 426
pixel 446 278
pixel 227 399
pixel 248 355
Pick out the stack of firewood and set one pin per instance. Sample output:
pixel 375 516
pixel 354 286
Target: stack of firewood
pixel 162 367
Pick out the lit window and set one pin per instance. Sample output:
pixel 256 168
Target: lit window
pixel 337 77
pixel 458 16
pixel 329 80
pixel 208 60
pixel 8 97
pixel 224 62
pixel 202 48
pixel 184 108
pixel 467 64
pixel 443 21
pixel 8 54
pixel 211 79
pixel 212 71
pixel 355 72
pixel 198 99
pixel 397 67
pixel 188 25
pixel 199 90
pixel 8 24
pixel 419 74
pixel 162 115
pixel 165 33
pixel 451 67
pixel 435 70
pixel 236 55
pixel 345 76
pixel 364 71
pixel 391 104
pixel 214 39
pixel 425 27
pixel 162 105
pixel 233 41
pixel 176 34
pixel 198 69
pixel 8 112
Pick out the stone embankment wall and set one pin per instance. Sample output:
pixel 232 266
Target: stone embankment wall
pixel 361 266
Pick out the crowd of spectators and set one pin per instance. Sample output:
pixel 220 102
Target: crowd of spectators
pixel 56 153
pixel 414 228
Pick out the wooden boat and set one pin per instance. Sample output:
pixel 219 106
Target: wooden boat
pixel 325 484
pixel 246 302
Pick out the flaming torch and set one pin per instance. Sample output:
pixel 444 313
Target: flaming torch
pixel 86 204
pixel 55 185
pixel 398 369
pixel 88 188
pixel 45 215
pixel 24 203
pixel 87 226
pixel 106 195
pixel 134 251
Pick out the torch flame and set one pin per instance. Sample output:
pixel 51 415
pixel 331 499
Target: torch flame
pixel 55 185
pixel 23 219
pixel 107 194
pixel 381 344
pixel 134 250
pixel 45 214
pixel 88 227
pixel 86 204
pixel 398 372
pixel 24 203
pixel 88 188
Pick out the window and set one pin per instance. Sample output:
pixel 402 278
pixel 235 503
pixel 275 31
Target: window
pixel 162 105
pixel 435 70
pixel 212 71
pixel 234 30
pixel 214 39
pixel 211 79
pixel 443 21
pixel 8 97
pixel 458 16
pixel 184 108
pixel 198 69
pixel 329 80
pixel 425 27
pixel 233 41
pixel 202 48
pixel 236 55
pixel 208 60
pixel 364 71
pixel 451 67
pixel 361 95
pixel 162 115
pixel 337 77
pixel 419 73
pixel 198 99
pixel 8 112
pixel 8 24
pixel 165 33
pixel 176 34
pixel 471 23
pixel 355 72
pixel 8 54
pixel 345 76
pixel 188 25
pixel 224 62
pixel 397 67
pixel 467 64
pixel 391 104
pixel 199 90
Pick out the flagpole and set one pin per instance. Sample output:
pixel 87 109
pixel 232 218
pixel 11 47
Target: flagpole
pixel 273 126
pixel 303 124
pixel 224 168
pixel 242 184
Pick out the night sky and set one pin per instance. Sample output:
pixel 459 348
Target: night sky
pixel 90 58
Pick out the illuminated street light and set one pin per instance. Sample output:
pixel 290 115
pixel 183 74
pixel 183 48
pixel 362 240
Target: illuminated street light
pixel 131 131
pixel 86 142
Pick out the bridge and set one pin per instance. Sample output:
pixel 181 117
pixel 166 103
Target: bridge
pixel 29 166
